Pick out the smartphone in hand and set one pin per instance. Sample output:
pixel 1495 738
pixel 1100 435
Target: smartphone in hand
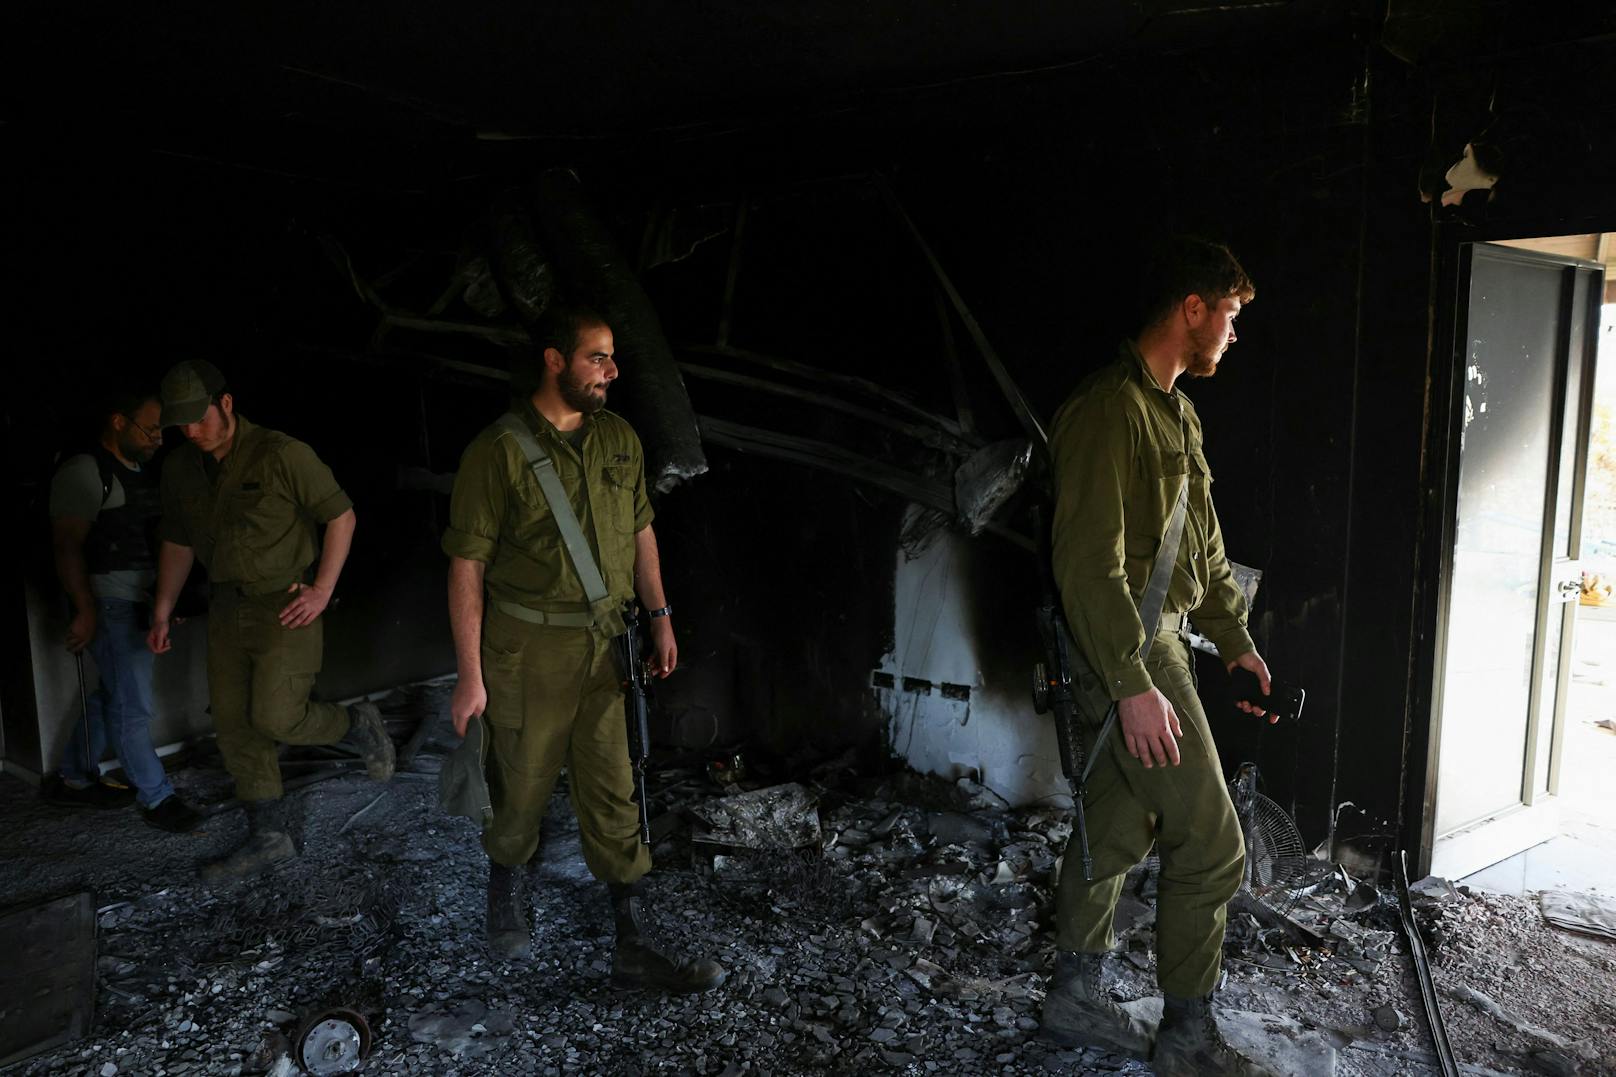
pixel 1283 699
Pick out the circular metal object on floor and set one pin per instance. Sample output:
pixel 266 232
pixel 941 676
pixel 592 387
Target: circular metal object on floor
pixel 333 1041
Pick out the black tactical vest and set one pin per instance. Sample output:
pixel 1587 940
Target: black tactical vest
pixel 124 537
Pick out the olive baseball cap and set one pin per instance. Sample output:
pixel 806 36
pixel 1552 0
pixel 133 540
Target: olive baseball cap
pixel 187 390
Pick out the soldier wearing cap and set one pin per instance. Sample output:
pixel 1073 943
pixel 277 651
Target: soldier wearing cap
pixel 247 502
pixel 536 653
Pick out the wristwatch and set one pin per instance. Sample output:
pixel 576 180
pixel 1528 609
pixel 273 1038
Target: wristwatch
pixel 663 612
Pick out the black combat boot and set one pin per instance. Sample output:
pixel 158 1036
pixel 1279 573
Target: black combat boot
pixel 173 815
pixel 1079 1013
pixel 368 733
pixel 269 842
pixel 637 963
pixel 510 937
pixel 1190 1044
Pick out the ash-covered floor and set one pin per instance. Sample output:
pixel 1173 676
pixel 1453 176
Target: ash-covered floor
pixel 917 942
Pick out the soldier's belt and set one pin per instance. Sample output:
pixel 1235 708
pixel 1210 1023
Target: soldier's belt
pixel 257 589
pixel 1173 622
pixel 574 619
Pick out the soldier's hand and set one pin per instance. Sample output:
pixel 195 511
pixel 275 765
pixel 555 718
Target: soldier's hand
pixel 157 640
pixel 81 631
pixel 664 651
pixel 468 700
pixel 1253 661
pixel 311 601
pixel 1150 729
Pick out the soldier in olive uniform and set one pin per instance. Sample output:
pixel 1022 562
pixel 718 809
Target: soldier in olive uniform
pixel 536 656
pixel 247 501
pixel 1122 446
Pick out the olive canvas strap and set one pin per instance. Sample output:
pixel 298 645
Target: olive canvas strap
pixel 572 532
pixel 1150 603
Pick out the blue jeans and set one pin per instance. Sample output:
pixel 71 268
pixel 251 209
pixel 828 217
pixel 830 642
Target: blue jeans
pixel 120 709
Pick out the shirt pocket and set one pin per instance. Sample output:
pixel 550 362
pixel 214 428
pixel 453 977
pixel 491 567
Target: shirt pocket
pixel 618 490
pixel 1198 461
pixel 260 515
pixel 1165 465
pixel 531 523
pixel 1162 473
pixel 529 494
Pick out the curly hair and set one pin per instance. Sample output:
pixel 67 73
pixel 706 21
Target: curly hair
pixel 1189 265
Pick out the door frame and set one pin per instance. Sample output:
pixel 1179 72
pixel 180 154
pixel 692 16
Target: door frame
pixel 1449 304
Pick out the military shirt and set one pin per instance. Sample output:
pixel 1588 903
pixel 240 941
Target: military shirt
pixel 498 514
pixel 251 517
pixel 1121 447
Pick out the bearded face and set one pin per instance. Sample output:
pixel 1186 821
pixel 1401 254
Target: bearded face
pixel 582 393
pixel 1205 351
pixel 1210 339
pixel 582 378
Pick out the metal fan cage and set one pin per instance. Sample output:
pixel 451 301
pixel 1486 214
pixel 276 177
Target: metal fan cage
pixel 1275 857
pixel 1277 865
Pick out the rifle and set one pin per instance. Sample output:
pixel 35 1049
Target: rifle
pixel 636 712
pixel 1052 685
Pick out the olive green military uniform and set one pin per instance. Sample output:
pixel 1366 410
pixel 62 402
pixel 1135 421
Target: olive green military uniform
pixel 1121 448
pixel 251 520
pixel 554 690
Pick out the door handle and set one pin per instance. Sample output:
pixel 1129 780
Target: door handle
pixel 1570 587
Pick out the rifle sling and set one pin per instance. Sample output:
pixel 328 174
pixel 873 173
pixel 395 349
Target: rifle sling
pixel 1150 607
pixel 572 532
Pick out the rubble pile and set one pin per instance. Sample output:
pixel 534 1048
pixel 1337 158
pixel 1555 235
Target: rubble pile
pixel 870 923
pixel 1535 994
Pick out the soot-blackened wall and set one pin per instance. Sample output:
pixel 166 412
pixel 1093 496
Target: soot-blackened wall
pixel 1039 203
pixel 1038 195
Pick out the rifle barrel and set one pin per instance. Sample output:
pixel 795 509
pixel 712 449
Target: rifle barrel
pixel 636 712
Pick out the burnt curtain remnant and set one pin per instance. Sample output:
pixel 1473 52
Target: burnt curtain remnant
pixel 651 391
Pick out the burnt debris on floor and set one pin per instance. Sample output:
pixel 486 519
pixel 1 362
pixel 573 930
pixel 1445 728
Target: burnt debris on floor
pixel 872 923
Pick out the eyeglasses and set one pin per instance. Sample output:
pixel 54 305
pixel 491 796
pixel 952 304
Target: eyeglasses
pixel 153 434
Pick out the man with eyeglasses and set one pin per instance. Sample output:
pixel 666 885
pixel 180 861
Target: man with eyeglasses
pixel 248 503
pixel 104 508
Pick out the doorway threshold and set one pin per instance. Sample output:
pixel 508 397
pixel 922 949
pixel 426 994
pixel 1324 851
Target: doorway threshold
pixel 1581 858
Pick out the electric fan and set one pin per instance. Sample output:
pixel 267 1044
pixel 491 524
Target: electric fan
pixel 1277 865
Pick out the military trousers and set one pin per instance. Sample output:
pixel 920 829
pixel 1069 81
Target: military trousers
pixel 1185 811
pixel 260 674
pixel 555 698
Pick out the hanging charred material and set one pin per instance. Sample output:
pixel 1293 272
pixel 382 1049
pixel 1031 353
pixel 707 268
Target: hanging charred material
pixel 651 393
pixel 527 282
pixel 525 274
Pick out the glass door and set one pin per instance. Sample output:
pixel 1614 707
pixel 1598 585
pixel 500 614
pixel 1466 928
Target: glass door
pixel 1530 328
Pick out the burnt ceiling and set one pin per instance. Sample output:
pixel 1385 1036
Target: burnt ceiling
pixel 417 96
pixel 414 92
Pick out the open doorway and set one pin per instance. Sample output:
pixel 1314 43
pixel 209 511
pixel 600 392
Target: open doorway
pixel 1525 699
pixel 1582 854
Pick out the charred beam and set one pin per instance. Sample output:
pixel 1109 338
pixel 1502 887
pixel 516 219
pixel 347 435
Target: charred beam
pixel 652 394
pixel 832 458
pixel 1007 385
pixel 845 381
pixel 496 334
pixel 929 436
